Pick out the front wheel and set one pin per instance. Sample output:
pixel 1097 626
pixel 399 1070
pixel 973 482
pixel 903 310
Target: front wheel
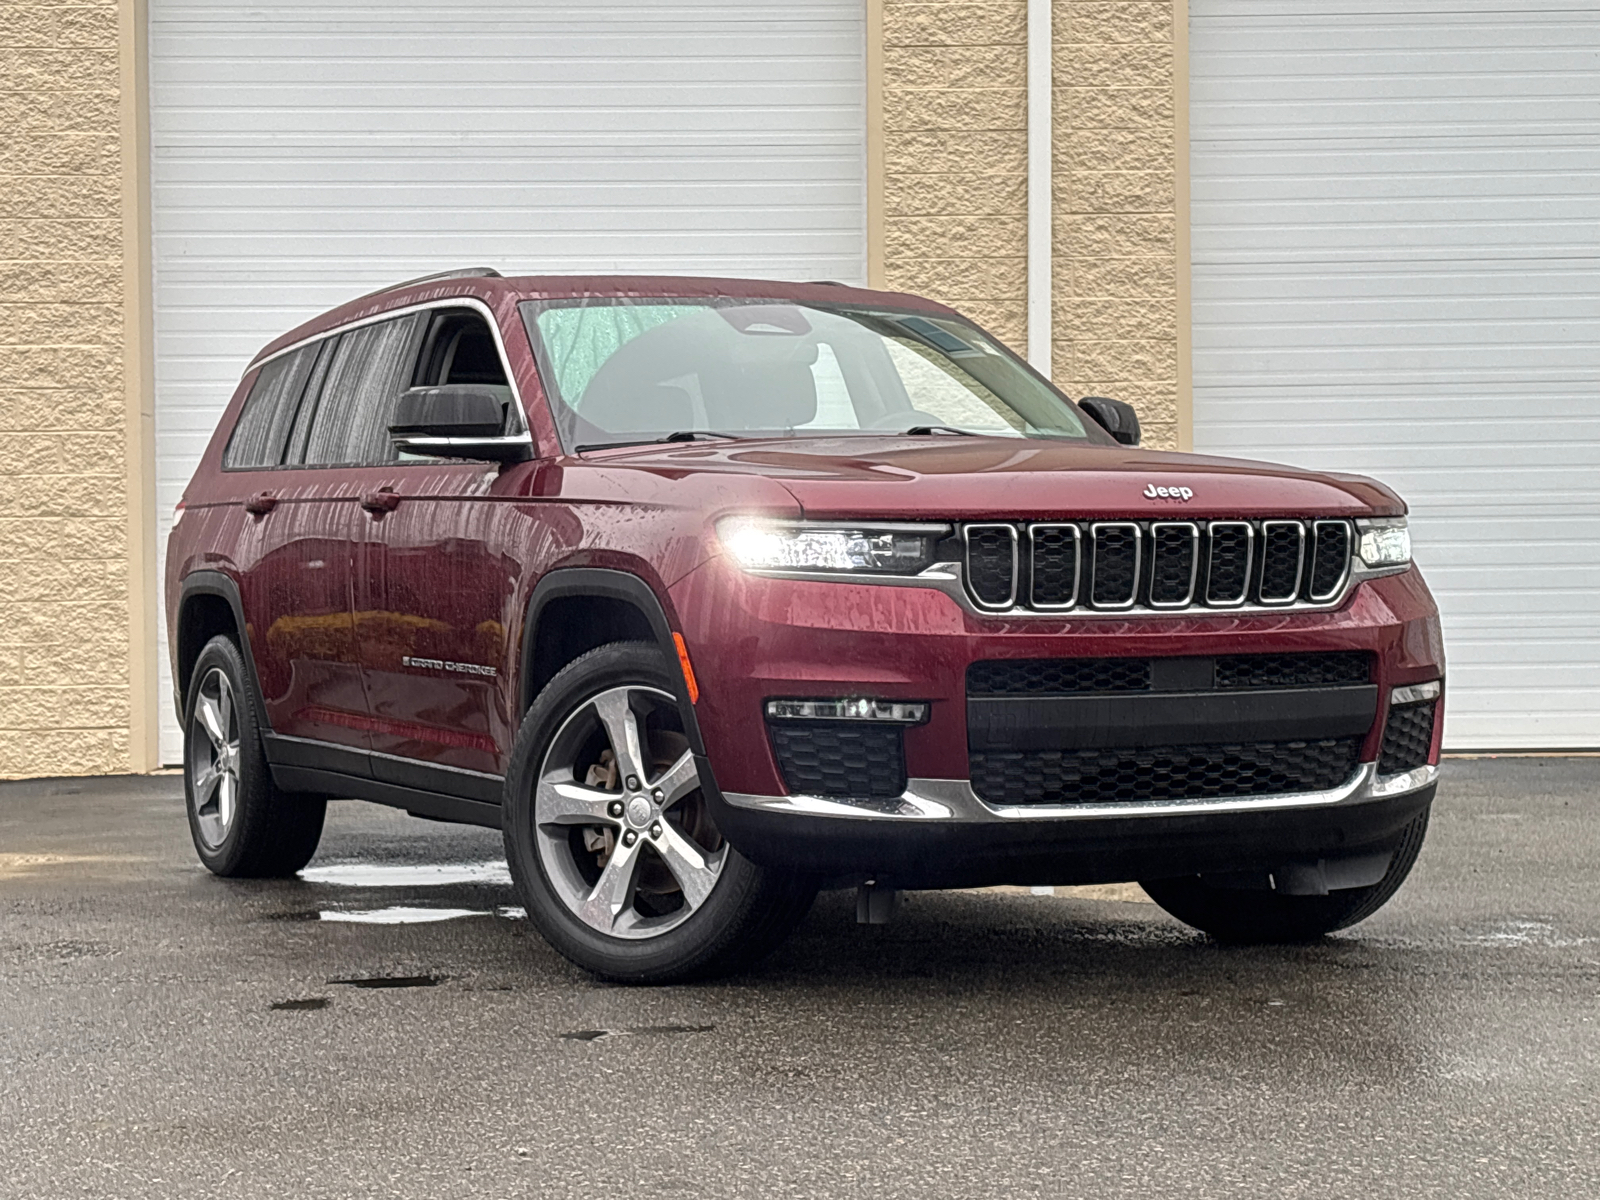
pixel 1258 917
pixel 610 839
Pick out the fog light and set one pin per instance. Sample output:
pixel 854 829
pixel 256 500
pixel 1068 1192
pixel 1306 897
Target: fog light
pixel 849 708
pixel 1414 693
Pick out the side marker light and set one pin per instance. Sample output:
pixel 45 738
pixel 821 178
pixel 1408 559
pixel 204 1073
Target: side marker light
pixel 688 670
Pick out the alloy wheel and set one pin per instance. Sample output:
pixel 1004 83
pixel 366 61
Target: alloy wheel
pixel 214 758
pixel 620 820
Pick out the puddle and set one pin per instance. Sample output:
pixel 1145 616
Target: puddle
pixel 594 1035
pixel 1128 893
pixel 393 981
pixel 375 875
pixel 309 1004
pixel 1524 933
pixel 399 915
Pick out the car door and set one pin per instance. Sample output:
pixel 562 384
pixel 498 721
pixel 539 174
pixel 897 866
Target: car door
pixel 295 559
pixel 436 590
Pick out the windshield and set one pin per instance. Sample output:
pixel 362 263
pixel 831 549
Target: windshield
pixel 625 370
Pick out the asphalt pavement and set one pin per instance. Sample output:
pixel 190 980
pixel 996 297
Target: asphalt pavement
pixel 167 1034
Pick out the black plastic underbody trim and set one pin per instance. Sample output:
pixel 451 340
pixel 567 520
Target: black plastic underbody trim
pixel 431 777
pixel 1137 719
pixel 444 794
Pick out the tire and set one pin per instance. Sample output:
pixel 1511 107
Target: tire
pixel 632 881
pixel 243 826
pixel 1246 917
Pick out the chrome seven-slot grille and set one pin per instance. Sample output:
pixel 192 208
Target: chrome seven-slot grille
pixel 1162 565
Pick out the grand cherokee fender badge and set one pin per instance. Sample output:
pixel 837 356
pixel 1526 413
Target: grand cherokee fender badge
pixel 1152 492
pixel 439 664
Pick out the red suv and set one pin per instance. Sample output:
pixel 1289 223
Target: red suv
pixel 710 593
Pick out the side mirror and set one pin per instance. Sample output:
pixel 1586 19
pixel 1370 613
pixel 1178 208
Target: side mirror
pixel 458 420
pixel 1115 417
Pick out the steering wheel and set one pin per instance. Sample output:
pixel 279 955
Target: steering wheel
pixel 906 418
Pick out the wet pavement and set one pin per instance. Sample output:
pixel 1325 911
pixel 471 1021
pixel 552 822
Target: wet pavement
pixel 390 1026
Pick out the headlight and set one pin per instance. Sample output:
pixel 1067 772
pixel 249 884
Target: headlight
pixel 799 547
pixel 1385 542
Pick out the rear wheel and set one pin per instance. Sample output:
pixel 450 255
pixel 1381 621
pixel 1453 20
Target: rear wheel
pixel 1258 917
pixel 610 838
pixel 241 823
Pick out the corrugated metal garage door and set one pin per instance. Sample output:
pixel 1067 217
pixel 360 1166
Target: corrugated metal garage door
pixel 1396 241
pixel 305 152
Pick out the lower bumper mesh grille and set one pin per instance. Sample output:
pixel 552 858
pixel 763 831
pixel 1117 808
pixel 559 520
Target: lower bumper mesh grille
pixel 840 758
pixel 1163 772
pixel 1407 738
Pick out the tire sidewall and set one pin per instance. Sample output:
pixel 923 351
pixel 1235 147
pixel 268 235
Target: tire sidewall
pixel 706 934
pixel 254 780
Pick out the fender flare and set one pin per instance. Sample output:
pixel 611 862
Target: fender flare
pixel 217 583
pixel 616 585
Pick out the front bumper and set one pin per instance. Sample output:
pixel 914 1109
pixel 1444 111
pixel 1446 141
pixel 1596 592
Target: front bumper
pixel 753 639
pixel 940 834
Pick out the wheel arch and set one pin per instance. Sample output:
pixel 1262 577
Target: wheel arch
pixel 209 604
pixel 576 609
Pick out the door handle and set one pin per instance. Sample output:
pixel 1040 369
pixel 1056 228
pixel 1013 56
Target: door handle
pixel 261 504
pixel 382 501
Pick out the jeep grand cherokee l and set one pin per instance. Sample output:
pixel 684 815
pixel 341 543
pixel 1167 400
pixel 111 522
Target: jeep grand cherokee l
pixel 710 593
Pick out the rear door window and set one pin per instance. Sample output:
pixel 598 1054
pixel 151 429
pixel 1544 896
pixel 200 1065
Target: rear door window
pixel 368 370
pixel 262 432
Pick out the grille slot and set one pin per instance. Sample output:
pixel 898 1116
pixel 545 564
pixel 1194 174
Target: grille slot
pixel 1330 558
pixel 1055 558
pixel 840 758
pixel 1228 569
pixel 1057 676
pixel 1282 559
pixel 1174 563
pixel 1163 772
pixel 1407 737
pixel 992 564
pixel 1114 580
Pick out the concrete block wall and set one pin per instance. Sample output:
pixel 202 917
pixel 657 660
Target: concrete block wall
pixel 955 130
pixel 64 485
pixel 1115 285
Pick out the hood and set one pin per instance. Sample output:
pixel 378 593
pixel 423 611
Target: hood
pixel 977 478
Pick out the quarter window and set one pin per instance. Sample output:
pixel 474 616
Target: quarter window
pixel 263 427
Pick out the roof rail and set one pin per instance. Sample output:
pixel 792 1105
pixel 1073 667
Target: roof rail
pixel 458 273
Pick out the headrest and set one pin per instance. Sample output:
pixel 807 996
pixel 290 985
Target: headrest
pixel 768 396
pixel 649 408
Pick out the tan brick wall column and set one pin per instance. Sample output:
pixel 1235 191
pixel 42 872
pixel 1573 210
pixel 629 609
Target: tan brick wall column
pixel 952 222
pixel 955 130
pixel 71 527
pixel 1116 194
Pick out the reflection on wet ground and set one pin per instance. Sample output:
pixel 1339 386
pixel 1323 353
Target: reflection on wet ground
pixel 406 875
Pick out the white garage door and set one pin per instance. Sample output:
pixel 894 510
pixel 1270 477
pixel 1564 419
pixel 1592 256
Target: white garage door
pixel 1396 240
pixel 304 152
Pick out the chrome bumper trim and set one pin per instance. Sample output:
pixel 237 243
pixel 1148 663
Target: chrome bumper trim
pixel 954 800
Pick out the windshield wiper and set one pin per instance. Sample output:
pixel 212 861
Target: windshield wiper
pixel 690 435
pixel 682 435
pixel 921 429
